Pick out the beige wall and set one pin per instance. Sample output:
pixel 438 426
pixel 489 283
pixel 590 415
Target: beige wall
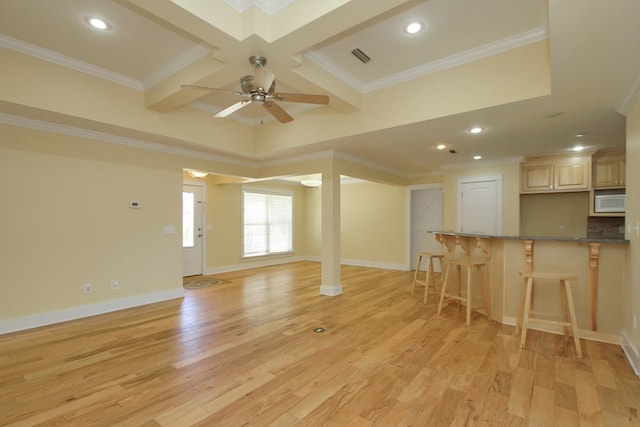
pixel 373 220
pixel 631 328
pixel 66 221
pixel 373 224
pixel 224 218
pixel 510 194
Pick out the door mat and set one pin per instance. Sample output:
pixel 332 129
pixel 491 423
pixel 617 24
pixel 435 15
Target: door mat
pixel 197 282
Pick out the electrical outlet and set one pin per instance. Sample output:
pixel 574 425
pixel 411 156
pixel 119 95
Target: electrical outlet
pixel 88 288
pixel 115 284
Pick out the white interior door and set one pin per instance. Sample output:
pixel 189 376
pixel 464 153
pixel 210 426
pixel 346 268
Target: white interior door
pixel 192 232
pixel 480 205
pixel 426 215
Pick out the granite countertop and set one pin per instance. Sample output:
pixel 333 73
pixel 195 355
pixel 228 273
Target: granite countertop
pixel 550 238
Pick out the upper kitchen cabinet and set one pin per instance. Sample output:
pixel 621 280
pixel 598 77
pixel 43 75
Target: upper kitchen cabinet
pixel 609 170
pixel 556 173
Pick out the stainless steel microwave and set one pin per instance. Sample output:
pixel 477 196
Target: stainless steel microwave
pixel 609 203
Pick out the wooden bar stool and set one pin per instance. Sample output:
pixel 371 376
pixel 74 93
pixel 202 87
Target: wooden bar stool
pixel 429 280
pixel 568 310
pixel 469 265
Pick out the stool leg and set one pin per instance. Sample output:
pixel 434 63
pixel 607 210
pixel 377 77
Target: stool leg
pixel 428 279
pixel 521 309
pixel 459 285
pixel 525 311
pixel 574 323
pixel 468 295
pixel 415 276
pixel 565 309
pixel 444 288
pixel 486 295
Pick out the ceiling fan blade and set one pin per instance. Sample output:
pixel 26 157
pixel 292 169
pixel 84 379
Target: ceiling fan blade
pixel 263 79
pixel 232 108
pixel 211 89
pixel 277 112
pixel 302 97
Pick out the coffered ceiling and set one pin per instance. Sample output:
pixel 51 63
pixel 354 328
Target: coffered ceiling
pixel 389 112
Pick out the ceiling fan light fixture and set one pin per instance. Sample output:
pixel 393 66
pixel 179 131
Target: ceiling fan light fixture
pixel 311 183
pixel 197 174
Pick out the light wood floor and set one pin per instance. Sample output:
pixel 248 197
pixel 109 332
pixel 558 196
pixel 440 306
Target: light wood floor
pixel 244 354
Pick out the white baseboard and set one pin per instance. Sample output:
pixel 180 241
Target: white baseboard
pixel 283 260
pixel 372 264
pixel 331 291
pixel 632 353
pixel 49 318
pixel 584 333
pixel 263 262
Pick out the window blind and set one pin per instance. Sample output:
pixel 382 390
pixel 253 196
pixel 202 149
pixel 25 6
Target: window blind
pixel 268 223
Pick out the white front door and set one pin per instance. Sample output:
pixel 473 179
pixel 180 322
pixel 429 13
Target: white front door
pixel 480 205
pixel 192 233
pixel 426 215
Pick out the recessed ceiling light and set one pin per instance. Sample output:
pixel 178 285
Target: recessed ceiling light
pixel 476 129
pixel 97 23
pixel 413 27
pixel 477 157
pixel 441 146
pixel 578 148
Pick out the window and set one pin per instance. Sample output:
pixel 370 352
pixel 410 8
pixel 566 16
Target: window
pixel 268 224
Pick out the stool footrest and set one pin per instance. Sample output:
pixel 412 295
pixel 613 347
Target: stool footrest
pixel 548 322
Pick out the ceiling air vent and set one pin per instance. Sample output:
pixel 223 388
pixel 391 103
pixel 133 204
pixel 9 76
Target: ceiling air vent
pixel 363 57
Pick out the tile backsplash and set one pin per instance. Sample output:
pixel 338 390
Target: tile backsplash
pixel 605 227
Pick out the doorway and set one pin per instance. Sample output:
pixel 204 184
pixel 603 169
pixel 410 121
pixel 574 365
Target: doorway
pixel 426 215
pixel 192 232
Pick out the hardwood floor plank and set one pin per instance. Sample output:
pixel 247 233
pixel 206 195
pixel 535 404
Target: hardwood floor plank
pixel 521 392
pixel 244 353
pixel 589 407
pixel 541 413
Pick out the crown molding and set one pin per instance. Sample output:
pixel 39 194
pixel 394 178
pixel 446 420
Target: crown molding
pixel 487 50
pixel 120 140
pixel 471 55
pixel 631 96
pixel 270 7
pixel 190 56
pixel 477 163
pixel 67 61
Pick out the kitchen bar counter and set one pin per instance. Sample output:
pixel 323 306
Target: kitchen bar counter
pixel 555 238
pixel 599 264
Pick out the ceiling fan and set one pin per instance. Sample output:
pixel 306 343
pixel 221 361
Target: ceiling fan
pixel 260 88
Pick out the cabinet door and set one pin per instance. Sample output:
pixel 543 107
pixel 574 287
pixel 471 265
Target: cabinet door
pixel 607 173
pixel 572 176
pixel 622 171
pixel 536 178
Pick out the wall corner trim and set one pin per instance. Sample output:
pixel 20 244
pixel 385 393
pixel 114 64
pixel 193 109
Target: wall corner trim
pixel 632 353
